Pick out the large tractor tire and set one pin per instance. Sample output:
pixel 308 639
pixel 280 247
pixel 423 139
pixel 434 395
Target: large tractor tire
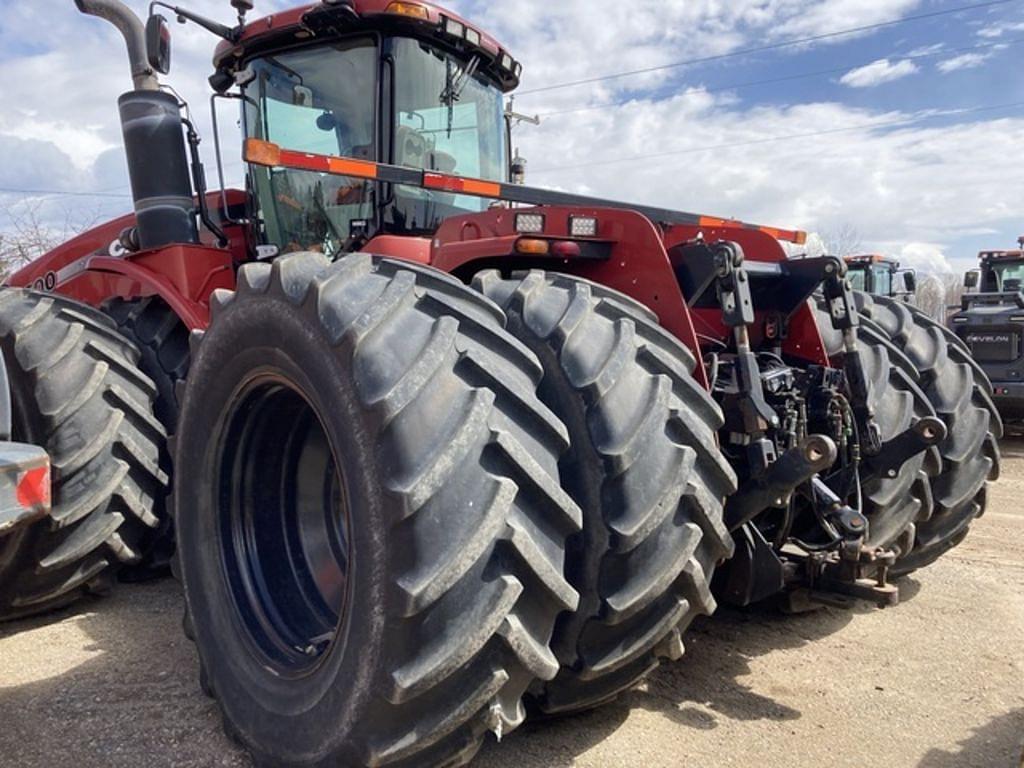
pixel 894 506
pixel 162 339
pixel 371 530
pixel 645 469
pixel 960 394
pixel 77 391
pixel 163 342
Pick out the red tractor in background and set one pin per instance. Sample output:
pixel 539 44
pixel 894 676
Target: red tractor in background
pixel 443 445
pixel 879 276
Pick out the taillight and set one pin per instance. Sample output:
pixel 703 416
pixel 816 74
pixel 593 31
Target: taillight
pixel 34 487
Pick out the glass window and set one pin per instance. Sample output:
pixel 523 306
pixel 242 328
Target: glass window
pixel 857 277
pixel 1009 271
pixel 450 120
pixel 883 280
pixel 319 100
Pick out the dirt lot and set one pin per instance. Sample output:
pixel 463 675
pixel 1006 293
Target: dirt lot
pixel 936 683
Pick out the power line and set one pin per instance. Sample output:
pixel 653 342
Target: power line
pixel 764 48
pixel 60 193
pixel 798 76
pixel 788 137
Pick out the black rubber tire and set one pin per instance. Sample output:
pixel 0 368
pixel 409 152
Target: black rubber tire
pixel 77 391
pixel 894 506
pixel 960 394
pixel 162 340
pixel 459 523
pixel 645 468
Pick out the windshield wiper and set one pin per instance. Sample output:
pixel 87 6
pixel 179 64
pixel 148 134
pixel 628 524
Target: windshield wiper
pixel 454 86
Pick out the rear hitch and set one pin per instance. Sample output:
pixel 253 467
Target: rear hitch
pixel 925 434
pixel 776 484
pixel 840 579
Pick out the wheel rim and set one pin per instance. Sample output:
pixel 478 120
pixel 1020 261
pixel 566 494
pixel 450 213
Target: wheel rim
pixel 284 525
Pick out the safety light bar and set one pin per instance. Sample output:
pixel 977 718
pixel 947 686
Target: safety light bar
pixel 267 154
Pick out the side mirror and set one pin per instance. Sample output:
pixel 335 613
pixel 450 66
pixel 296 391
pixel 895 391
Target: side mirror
pixel 1011 286
pixel 158 44
pixel 910 281
pixel 972 279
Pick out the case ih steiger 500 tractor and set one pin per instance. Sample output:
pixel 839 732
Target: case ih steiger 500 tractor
pixel 444 446
pixel 991 323
pixel 880 276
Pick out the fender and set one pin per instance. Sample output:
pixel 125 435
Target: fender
pixel 633 258
pixel 183 276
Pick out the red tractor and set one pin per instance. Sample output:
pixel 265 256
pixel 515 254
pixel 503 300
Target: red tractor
pixel 445 446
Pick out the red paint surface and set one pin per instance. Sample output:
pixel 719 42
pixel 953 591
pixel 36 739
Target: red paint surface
pixel 290 20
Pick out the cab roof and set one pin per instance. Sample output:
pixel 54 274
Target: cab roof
pixel 424 19
pixel 870 258
pixel 1000 255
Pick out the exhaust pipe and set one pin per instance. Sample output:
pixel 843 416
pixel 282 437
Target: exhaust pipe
pixel 122 17
pixel 151 121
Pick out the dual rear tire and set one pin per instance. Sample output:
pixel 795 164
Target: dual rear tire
pixel 380 562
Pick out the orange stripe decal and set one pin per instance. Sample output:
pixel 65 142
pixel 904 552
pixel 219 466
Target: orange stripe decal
pixel 358 168
pixel 262 153
pixel 459 184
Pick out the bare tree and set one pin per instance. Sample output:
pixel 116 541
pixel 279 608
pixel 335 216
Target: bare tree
pixel 937 293
pixel 28 233
pixel 842 240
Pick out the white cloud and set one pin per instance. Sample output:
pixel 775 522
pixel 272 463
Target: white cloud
pixel 963 61
pixel 916 183
pixel 928 258
pixel 998 30
pixel 878 72
pixel 927 50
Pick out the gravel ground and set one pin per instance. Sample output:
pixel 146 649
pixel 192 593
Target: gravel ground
pixel 937 682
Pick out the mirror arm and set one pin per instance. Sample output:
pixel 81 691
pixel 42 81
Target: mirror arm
pixel 220 30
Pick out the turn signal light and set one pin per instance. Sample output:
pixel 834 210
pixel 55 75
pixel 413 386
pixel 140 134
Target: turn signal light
pixel 532 247
pixel 412 10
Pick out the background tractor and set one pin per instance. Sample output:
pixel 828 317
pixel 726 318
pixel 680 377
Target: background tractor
pixel 445 446
pixel 880 276
pixel 991 323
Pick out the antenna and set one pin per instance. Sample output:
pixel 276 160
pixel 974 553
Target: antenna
pixel 243 7
pixel 514 118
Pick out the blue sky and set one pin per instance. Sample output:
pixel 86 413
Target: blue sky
pixel 934 191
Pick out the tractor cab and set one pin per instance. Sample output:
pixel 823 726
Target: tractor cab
pixel 991 323
pixel 368 82
pixel 880 276
pixel 999 272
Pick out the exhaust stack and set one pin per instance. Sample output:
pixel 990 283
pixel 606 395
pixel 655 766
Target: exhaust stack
pixel 154 141
pixel 131 27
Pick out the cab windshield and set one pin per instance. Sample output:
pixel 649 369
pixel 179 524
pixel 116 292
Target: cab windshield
pixel 324 100
pixel 447 119
pixel 1006 272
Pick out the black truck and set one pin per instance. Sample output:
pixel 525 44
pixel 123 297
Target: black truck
pixel 991 323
